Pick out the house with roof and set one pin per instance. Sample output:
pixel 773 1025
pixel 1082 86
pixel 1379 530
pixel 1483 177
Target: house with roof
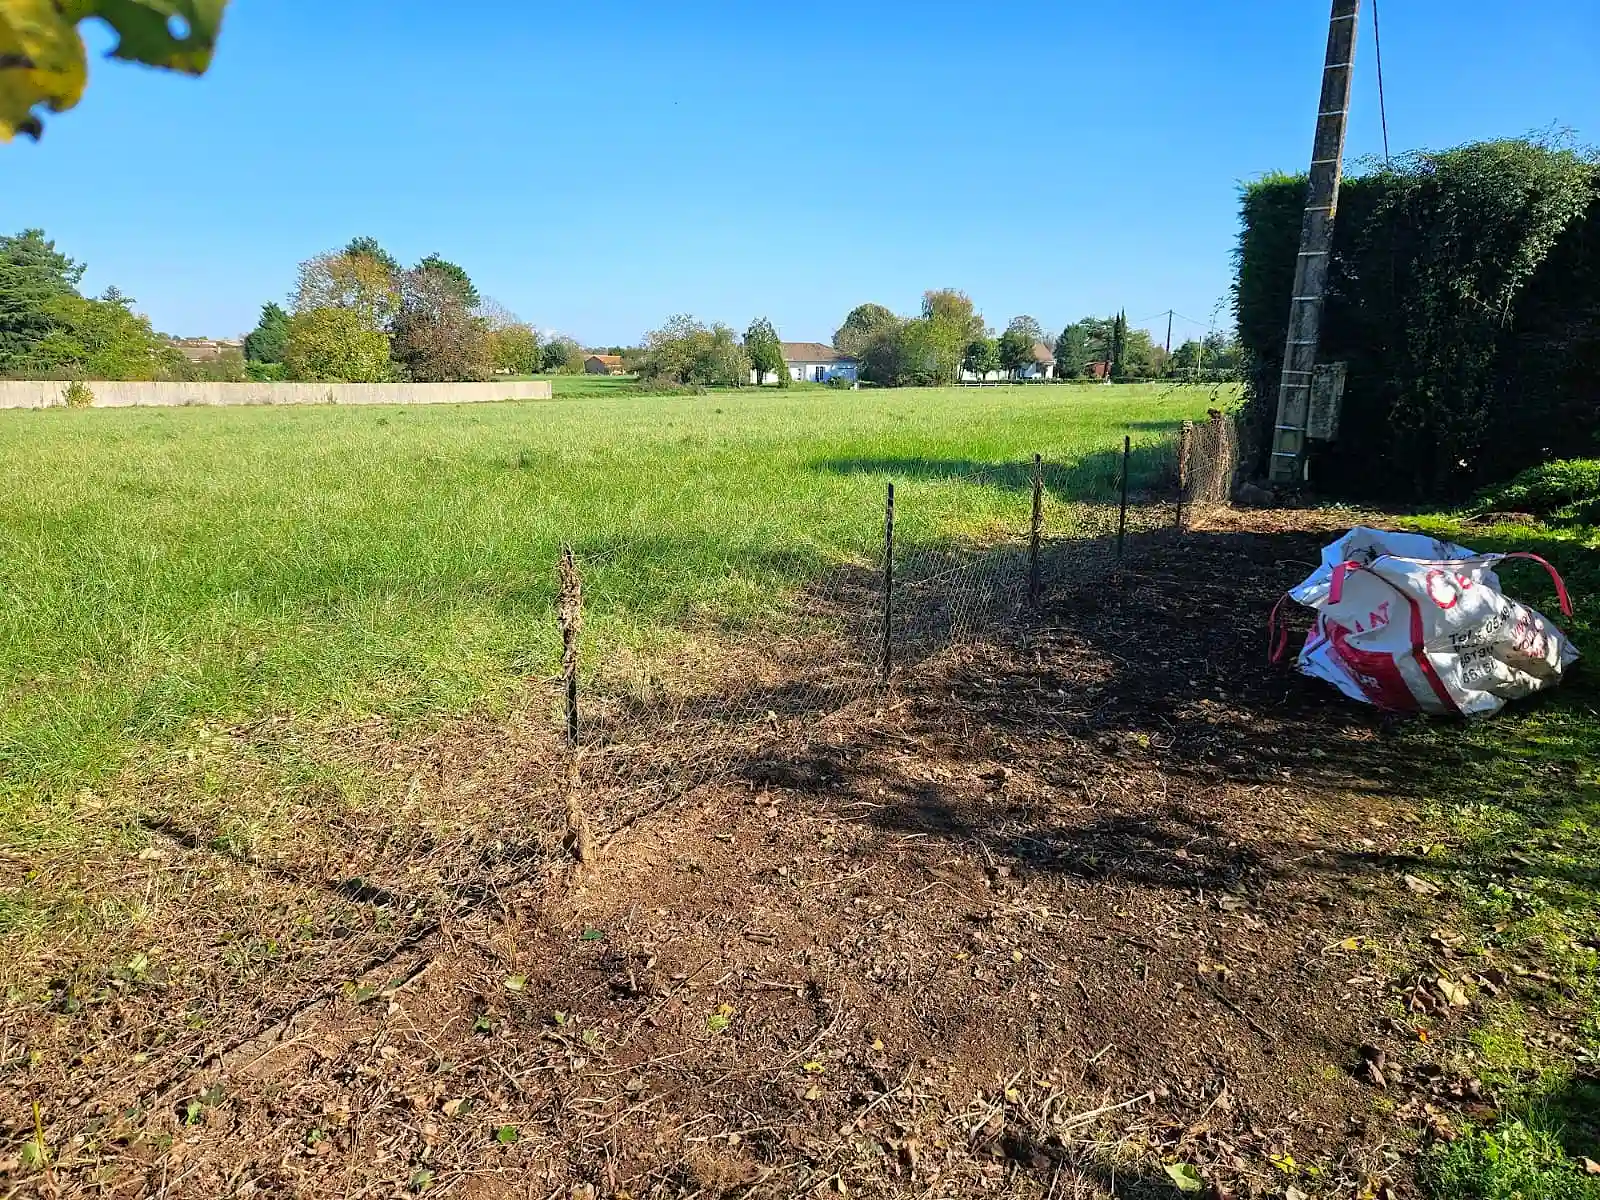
pixel 813 362
pixel 1042 367
pixel 604 364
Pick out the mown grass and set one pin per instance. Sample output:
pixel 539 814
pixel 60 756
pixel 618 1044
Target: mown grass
pixel 1519 797
pixel 162 568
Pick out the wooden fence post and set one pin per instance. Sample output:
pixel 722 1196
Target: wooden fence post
pixel 569 615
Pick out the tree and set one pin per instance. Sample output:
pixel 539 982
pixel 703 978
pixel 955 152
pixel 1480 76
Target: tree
pixel 766 352
pixel 102 339
pixel 982 357
pixel 514 349
pixel 360 282
pixel 950 324
pixel 264 343
pixel 1029 328
pixel 685 351
pixel 1016 350
pixel 1073 351
pixel 954 308
pixel 436 337
pixel 43 61
pixel 561 355
pixel 335 345
pixel 884 357
pixel 457 275
pixel 1119 344
pixel 865 323
pixel 370 247
pixel 32 272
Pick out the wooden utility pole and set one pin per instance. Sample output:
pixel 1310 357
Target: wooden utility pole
pixel 1316 243
pixel 1169 332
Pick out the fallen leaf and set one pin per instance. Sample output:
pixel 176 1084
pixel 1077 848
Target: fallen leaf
pixel 1453 992
pixel 515 983
pixel 1590 1167
pixel 1421 886
pixel 1293 1193
pixel 592 935
pixel 507 1135
pixel 1185 1178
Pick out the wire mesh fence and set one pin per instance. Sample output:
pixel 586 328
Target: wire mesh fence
pixel 644 725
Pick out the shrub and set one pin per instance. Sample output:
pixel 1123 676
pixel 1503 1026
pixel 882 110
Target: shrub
pixel 841 383
pixel 265 372
pixel 1548 488
pixel 335 345
pixel 77 395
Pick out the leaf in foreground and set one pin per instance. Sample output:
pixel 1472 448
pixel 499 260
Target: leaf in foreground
pixel 1185 1178
pixel 43 62
pixel 507 1135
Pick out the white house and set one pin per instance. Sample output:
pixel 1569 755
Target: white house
pixel 1043 366
pixel 812 362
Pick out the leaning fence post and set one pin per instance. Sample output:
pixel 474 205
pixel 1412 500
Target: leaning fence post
pixel 1035 529
pixel 888 584
pixel 1185 449
pixel 1122 514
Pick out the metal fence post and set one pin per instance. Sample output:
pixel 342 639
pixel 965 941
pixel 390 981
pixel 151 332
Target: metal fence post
pixel 1035 529
pixel 1185 476
pixel 888 584
pixel 1122 515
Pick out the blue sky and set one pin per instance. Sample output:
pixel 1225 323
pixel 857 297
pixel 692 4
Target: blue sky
pixel 600 166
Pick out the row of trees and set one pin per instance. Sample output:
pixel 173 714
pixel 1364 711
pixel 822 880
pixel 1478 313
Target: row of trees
pixel 950 336
pixel 358 316
pixel 49 329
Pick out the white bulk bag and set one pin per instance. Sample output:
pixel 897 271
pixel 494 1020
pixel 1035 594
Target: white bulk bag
pixel 1411 624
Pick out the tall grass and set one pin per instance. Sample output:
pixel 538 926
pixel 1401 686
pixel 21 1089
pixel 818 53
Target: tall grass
pixel 164 567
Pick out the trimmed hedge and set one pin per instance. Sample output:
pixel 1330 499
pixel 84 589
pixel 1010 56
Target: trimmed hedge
pixel 1464 292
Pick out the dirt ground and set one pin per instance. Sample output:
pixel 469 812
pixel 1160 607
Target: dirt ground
pixel 1093 908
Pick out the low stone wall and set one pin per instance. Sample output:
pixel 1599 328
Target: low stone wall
pixel 52 394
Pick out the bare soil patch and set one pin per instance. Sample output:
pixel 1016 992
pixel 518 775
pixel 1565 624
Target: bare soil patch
pixel 1062 910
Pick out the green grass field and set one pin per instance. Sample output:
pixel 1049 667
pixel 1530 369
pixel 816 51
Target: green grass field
pixel 163 568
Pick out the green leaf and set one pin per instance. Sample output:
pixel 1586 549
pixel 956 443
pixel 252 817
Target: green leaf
pixel 421 1179
pixel 592 935
pixel 43 62
pixel 507 1135
pixel 515 983
pixel 1185 1178
pixel 146 30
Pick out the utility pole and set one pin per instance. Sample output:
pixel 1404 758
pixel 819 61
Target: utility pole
pixel 1316 243
pixel 1169 332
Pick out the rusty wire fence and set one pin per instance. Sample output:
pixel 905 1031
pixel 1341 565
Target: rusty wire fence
pixel 643 727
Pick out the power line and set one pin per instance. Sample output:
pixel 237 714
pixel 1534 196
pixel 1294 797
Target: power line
pixel 1383 108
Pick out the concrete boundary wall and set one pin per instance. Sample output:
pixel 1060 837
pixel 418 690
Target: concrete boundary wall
pixel 52 394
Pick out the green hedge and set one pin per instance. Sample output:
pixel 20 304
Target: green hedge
pixel 1464 292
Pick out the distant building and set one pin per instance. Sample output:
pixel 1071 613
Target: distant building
pixel 813 362
pixel 205 350
pixel 1042 367
pixel 1099 370
pixel 604 364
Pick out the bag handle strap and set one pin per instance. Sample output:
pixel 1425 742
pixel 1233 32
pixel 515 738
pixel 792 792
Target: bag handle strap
pixel 1561 587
